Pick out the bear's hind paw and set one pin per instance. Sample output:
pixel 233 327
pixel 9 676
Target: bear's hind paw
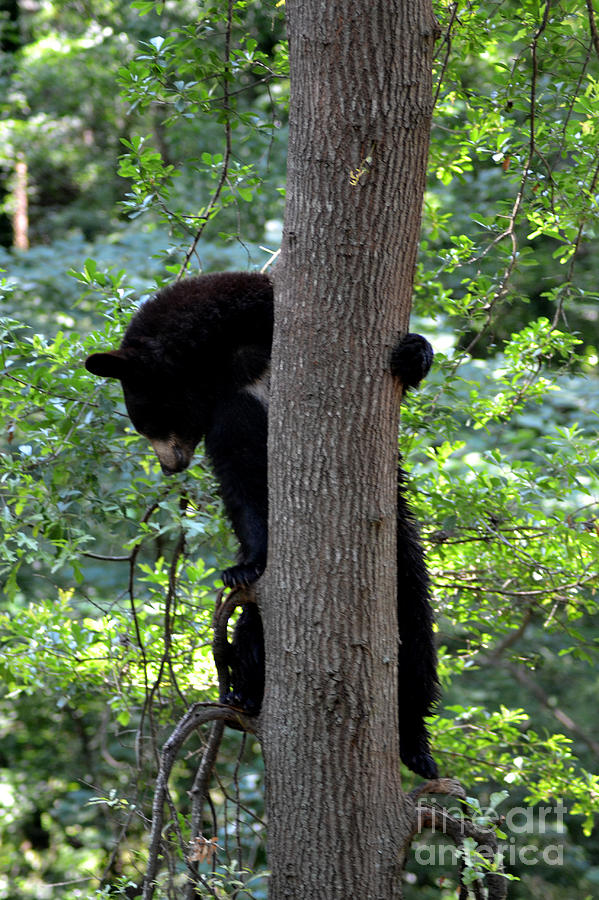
pixel 242 575
pixel 249 705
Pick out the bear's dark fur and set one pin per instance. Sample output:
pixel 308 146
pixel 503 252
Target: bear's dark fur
pixel 193 364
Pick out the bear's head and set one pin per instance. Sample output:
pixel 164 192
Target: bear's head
pixel 161 405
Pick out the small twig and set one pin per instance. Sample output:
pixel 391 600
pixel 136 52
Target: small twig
pixel 238 802
pixel 199 714
pixel 593 26
pixel 226 104
pixel 446 40
pixel 131 591
pixel 89 555
pixel 274 255
pixel 512 637
pixel 521 675
pixel 577 245
pixel 199 792
pixel 510 231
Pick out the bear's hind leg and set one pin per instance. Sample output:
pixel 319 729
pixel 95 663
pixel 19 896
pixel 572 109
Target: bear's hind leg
pixel 236 445
pixel 417 669
pixel 246 662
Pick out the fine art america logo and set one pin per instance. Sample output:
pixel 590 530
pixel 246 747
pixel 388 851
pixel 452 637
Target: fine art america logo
pixel 544 822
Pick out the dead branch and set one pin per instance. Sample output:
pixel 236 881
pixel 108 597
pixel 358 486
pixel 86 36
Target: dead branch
pixel 200 789
pixel 223 610
pixel 198 714
pixel 457 828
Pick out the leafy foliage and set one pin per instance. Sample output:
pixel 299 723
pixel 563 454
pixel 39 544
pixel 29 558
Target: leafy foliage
pixel 109 573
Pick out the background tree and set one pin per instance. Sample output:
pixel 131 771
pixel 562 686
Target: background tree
pixel 108 577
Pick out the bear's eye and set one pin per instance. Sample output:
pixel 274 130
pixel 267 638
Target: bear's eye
pixel 148 418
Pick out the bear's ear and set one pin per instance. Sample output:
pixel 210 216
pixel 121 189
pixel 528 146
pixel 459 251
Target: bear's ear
pixel 114 364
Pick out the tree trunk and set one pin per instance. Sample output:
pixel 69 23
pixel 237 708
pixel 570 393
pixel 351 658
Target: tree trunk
pixel 360 113
pixel 21 215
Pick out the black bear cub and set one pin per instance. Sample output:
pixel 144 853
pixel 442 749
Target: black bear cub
pixel 193 364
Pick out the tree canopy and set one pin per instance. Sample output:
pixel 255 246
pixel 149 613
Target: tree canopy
pixel 141 138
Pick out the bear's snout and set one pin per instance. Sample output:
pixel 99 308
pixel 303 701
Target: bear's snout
pixel 169 470
pixel 173 456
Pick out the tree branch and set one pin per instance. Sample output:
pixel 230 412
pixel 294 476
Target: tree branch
pixel 521 675
pixel 440 820
pixel 199 790
pixel 226 101
pixel 198 714
pixel 593 26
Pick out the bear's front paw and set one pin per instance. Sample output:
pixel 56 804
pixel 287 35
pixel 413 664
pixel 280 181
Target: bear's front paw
pixel 250 705
pixel 411 360
pixel 242 575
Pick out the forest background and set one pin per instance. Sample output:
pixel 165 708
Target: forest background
pixel 137 138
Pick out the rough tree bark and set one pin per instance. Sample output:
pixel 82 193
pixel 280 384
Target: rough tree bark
pixel 360 114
